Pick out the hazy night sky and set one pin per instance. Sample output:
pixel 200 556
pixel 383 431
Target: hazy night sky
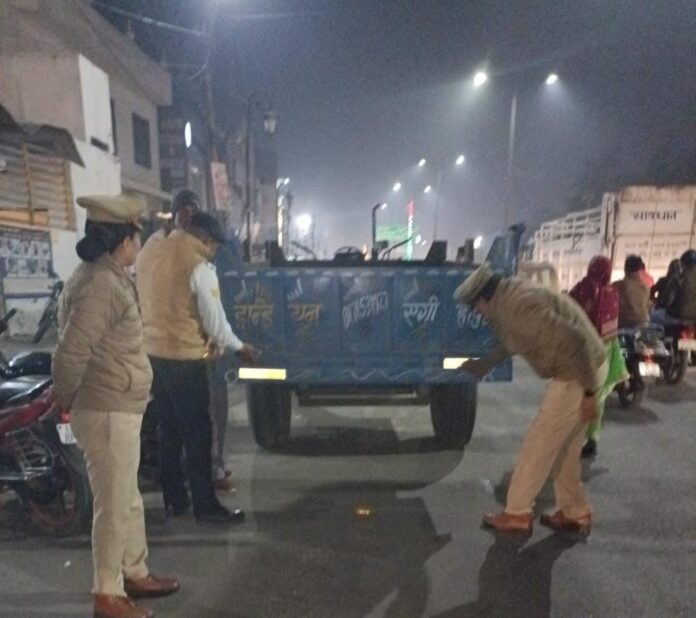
pixel 365 88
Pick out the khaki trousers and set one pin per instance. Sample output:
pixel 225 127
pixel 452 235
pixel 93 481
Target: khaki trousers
pixel 111 445
pixel 552 447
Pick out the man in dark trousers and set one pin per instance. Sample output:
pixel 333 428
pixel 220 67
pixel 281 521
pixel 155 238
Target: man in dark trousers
pixel 185 327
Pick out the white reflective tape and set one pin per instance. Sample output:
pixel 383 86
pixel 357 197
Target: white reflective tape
pixel 453 363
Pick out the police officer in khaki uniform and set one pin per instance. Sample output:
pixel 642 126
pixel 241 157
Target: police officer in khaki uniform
pixel 101 373
pixel 553 334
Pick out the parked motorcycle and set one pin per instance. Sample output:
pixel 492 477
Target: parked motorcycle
pixel 49 317
pixel 646 355
pixel 39 459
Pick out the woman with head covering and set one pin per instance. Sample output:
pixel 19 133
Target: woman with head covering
pixel 601 303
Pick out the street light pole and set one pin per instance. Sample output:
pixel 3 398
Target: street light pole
pixel 511 158
pixel 269 120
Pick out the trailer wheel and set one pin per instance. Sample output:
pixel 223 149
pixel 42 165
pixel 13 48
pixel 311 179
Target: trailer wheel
pixel 270 410
pixel 453 413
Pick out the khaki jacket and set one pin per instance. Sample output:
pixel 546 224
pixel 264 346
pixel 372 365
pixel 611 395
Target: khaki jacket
pixel 173 328
pixel 634 301
pixel 100 363
pixel 550 330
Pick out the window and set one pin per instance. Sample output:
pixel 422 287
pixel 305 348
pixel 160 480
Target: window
pixel 35 187
pixel 141 141
pixel 113 127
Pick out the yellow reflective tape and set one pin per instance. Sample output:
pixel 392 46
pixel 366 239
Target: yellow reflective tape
pixel 262 373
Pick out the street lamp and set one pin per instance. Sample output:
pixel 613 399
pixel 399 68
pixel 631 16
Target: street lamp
pixel 422 163
pixel 460 160
pixel 480 79
pixel 257 101
pixel 397 187
pixel 427 189
pixel 304 223
pixel 478 241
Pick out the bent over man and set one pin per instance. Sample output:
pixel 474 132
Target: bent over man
pixel 555 336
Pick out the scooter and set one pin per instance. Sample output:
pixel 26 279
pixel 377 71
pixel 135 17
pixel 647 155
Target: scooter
pixel 646 355
pixel 39 459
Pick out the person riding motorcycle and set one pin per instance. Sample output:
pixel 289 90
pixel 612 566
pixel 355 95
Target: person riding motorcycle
pixel 684 306
pixel 634 295
pixel 664 292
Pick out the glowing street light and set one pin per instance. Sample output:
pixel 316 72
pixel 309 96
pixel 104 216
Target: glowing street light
pixel 422 163
pixel 419 238
pixel 384 206
pixel 397 187
pixel 551 79
pixel 304 223
pixel 478 241
pixel 187 135
pixel 427 189
pixel 460 159
pixel 480 79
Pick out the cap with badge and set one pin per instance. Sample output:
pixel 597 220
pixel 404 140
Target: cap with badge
pixel 473 285
pixel 124 208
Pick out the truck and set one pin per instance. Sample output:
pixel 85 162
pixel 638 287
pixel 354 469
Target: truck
pixel 351 325
pixel 657 223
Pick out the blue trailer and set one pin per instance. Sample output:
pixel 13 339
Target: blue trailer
pixel 349 325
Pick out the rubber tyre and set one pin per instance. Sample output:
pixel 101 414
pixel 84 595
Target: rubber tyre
pixel 73 476
pixel 453 413
pixel 630 397
pixel 677 369
pixel 270 411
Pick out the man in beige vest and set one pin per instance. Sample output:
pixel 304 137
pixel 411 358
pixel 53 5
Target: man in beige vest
pixel 184 325
pixel 552 332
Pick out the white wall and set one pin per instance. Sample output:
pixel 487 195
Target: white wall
pixel 43 89
pixel 126 101
pixel 94 87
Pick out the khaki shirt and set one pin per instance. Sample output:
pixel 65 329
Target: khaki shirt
pixel 100 362
pixel 550 330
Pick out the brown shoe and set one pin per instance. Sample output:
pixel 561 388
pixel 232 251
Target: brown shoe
pixel 225 486
pixel 150 587
pixel 559 522
pixel 111 606
pixel 505 522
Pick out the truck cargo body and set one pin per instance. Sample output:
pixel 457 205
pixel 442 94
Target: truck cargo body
pixel 373 327
pixel 657 223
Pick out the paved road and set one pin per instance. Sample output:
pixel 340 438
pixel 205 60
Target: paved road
pixel 304 552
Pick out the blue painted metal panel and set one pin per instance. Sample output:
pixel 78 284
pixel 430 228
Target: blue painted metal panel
pixel 357 326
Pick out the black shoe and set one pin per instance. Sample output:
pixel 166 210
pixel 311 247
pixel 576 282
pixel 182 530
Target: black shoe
pixel 220 515
pixel 177 509
pixel 590 449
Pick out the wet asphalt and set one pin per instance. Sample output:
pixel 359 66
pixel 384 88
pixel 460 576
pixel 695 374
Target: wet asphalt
pixel 362 515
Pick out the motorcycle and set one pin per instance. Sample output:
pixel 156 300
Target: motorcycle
pixel 39 459
pixel 646 357
pixel 680 342
pixel 49 317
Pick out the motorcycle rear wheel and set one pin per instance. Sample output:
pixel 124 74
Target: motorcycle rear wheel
pixel 60 503
pixel 630 396
pixel 677 367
